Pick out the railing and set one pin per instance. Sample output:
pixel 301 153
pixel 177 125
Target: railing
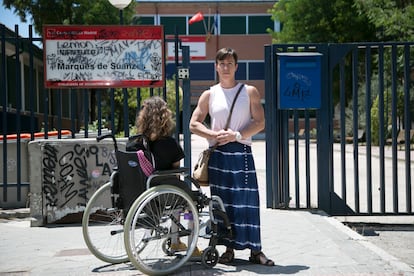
pixel 359 158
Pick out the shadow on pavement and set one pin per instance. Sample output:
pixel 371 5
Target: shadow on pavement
pixel 196 268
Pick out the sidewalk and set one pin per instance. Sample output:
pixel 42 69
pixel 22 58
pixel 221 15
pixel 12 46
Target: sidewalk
pixel 300 243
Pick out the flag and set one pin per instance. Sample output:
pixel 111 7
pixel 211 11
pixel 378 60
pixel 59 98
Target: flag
pixel 197 17
pixel 214 26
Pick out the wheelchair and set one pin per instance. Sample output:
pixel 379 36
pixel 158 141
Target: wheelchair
pixel 136 218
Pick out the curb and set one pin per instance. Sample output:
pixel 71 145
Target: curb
pixel 14 213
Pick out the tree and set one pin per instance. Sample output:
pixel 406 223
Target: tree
pixel 133 104
pixel 76 12
pixel 393 19
pixel 308 21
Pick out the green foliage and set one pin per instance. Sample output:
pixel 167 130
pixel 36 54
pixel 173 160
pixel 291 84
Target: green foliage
pixel 375 117
pixel 97 12
pixel 393 19
pixel 339 21
pixel 307 21
pixel 350 114
pixel 135 98
pixel 81 12
pixel 361 108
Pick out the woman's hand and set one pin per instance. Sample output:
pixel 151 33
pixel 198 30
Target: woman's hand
pixel 225 136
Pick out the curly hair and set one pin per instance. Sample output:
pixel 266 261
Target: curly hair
pixel 154 119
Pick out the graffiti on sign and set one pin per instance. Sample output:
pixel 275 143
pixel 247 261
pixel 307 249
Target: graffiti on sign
pixel 70 175
pixel 104 56
pixel 298 87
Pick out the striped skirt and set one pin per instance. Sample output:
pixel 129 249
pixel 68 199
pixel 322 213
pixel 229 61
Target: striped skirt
pixel 232 177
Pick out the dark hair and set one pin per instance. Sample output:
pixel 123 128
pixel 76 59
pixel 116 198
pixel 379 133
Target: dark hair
pixel 226 52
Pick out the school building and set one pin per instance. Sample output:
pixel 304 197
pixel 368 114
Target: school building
pixel 239 24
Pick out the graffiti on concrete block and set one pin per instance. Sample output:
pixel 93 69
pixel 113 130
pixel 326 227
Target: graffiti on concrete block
pixel 72 173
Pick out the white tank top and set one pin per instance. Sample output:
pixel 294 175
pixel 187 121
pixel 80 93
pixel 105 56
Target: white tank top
pixel 219 107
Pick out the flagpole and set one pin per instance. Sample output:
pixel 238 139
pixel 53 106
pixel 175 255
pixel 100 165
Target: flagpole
pixel 205 26
pixel 216 23
pixel 209 15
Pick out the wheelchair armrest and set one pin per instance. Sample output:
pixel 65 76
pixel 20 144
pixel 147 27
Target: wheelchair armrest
pixel 161 173
pixel 169 172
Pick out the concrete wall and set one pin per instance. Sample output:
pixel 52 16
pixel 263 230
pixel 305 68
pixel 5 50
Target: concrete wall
pixel 64 174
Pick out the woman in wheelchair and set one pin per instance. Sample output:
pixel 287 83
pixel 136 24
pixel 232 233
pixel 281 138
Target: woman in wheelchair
pixel 155 122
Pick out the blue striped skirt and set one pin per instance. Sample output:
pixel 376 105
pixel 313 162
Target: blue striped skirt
pixel 232 177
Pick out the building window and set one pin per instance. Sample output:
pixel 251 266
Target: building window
pixel 202 71
pixel 228 25
pixel 198 71
pixel 202 27
pixel 144 20
pixel 259 24
pixel 256 70
pixel 172 22
pixel 232 24
pixel 241 73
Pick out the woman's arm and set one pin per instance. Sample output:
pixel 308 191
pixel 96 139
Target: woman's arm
pixel 199 115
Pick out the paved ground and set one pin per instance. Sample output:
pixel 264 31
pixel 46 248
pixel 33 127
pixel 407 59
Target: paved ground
pixel 395 239
pixel 300 242
pixel 397 242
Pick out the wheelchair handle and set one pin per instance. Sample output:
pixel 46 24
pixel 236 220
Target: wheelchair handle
pixel 101 137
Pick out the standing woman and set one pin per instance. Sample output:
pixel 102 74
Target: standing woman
pixel 232 173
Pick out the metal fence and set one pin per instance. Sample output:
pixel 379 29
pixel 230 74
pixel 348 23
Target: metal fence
pixel 354 155
pixel 357 158
pixel 29 111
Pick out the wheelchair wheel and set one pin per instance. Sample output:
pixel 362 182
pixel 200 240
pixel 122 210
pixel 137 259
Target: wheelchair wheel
pixel 158 215
pixel 102 227
pixel 210 257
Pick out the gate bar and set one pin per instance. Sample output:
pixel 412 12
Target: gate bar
pixel 4 105
pixel 394 126
pixel 355 127
pixel 18 94
pixel 407 126
pixel 381 127
pixel 368 105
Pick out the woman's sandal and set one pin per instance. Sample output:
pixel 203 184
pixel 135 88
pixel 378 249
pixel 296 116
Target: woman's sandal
pixel 260 258
pixel 227 257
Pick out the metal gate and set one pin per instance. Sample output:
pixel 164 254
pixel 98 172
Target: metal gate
pixel 27 108
pixel 354 155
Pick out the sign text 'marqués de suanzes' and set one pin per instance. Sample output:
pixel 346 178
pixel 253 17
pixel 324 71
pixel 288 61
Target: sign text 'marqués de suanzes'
pixel 103 56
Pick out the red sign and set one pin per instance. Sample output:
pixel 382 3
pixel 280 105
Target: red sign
pixel 104 56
